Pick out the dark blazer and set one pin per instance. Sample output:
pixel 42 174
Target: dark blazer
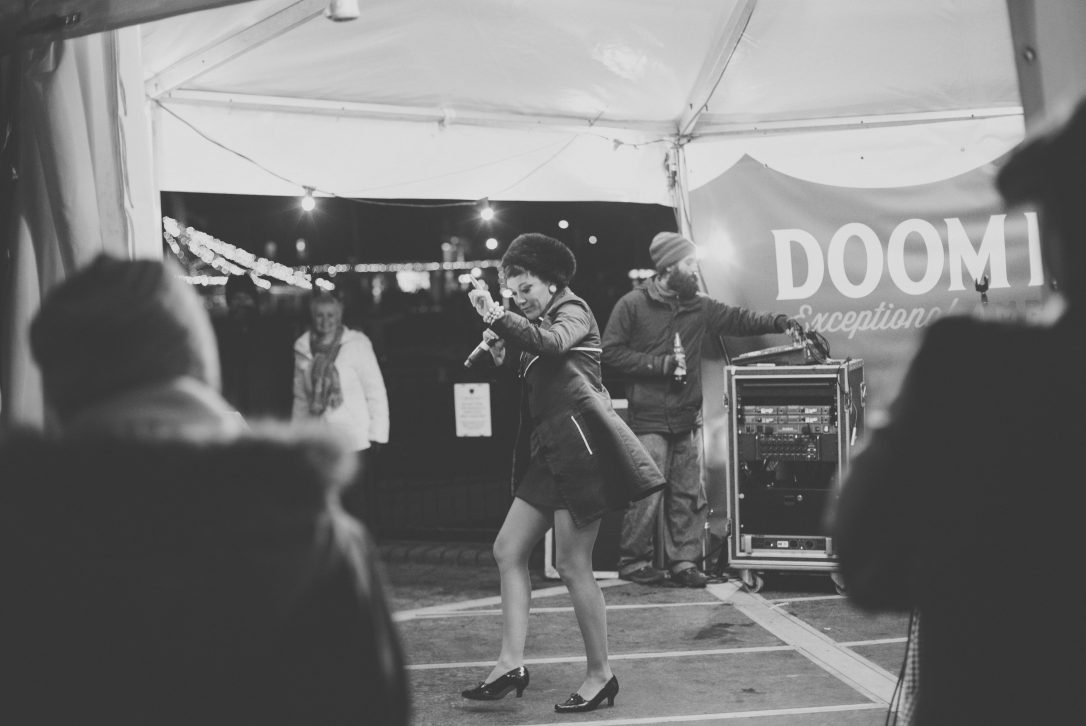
pixel 967 505
pixel 172 582
pixel 567 418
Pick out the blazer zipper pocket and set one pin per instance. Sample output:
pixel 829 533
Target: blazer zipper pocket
pixel 583 437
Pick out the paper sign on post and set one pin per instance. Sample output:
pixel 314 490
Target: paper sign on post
pixel 472 403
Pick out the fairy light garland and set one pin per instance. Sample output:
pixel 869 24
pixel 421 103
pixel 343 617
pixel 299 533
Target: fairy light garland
pixel 403 267
pixel 233 260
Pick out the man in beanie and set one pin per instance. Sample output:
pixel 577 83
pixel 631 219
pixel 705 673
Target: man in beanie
pixel 164 564
pixel 1006 495
pixel 666 414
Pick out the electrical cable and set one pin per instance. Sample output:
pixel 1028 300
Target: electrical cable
pixel 288 180
pixel 552 157
pixel 895 697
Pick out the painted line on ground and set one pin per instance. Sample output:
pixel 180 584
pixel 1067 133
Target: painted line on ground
pixel 858 672
pixel 452 607
pixel 621 656
pixel 725 716
pixel 785 600
pixel 567 609
pixel 877 641
pixel 656 654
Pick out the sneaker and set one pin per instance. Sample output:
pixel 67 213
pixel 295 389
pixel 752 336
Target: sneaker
pixel 690 577
pixel 645 575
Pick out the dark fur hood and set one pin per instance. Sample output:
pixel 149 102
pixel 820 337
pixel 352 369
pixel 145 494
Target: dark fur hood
pixel 106 487
pixel 178 582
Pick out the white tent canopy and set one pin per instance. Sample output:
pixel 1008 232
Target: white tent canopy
pixel 573 100
pixel 563 100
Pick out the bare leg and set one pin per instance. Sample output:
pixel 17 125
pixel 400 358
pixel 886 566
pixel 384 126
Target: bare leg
pixel 523 527
pixel 574 561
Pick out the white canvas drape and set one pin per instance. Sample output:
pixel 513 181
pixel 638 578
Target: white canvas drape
pixel 85 185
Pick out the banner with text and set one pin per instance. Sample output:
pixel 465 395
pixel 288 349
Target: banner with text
pixel 868 268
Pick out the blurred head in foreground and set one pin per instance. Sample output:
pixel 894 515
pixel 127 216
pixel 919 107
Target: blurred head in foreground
pixel 1048 170
pixel 116 327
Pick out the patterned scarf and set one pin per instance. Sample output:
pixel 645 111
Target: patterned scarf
pixel 324 391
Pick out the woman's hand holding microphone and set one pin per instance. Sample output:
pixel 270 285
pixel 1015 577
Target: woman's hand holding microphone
pixel 489 311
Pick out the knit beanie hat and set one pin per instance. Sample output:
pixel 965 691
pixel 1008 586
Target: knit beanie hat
pixel 667 248
pixel 543 256
pixel 116 325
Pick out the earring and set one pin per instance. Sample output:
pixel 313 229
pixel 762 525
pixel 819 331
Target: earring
pixel 553 288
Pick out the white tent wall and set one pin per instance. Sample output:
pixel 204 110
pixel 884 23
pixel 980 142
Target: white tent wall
pixel 84 185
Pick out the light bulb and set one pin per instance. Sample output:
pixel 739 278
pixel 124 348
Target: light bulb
pixel 562 224
pixel 487 213
pixel 308 202
pixel 492 244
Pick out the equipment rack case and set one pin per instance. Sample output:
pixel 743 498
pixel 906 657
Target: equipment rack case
pixel 792 429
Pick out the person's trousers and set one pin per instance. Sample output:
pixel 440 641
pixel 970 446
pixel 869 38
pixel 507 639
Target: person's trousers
pixel 359 497
pixel 685 506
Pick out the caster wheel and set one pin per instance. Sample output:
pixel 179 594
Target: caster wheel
pixel 753 580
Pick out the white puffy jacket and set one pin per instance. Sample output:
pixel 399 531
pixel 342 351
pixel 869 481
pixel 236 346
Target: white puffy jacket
pixel 363 417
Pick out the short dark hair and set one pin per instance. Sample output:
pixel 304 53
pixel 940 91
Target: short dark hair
pixel 242 284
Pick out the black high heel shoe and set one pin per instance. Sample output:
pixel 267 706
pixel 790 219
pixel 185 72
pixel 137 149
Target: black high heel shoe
pixel 576 704
pixel 514 680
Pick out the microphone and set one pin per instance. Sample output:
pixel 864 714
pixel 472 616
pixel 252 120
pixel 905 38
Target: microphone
pixel 483 348
pixel 479 353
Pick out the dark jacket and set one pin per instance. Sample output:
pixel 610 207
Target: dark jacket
pixel 967 505
pixel 640 336
pixel 257 364
pixel 171 582
pixel 567 418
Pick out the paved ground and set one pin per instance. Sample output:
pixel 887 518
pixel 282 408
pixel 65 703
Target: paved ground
pixel 795 653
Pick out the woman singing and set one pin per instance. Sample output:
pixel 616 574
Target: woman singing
pixel 573 461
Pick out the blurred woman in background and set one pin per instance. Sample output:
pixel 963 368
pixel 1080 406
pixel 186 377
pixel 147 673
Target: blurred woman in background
pixel 337 380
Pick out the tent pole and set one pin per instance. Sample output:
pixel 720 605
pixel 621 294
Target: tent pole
pixel 1049 56
pixel 679 189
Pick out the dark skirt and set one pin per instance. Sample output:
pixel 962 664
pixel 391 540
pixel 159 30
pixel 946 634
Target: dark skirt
pixel 539 489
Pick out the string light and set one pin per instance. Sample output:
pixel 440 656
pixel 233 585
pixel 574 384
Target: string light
pixel 308 202
pixel 404 267
pixel 205 280
pixel 492 244
pixel 486 212
pixel 233 260
pixel 563 224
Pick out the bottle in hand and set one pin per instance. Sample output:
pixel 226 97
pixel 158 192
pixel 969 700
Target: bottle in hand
pixel 679 353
